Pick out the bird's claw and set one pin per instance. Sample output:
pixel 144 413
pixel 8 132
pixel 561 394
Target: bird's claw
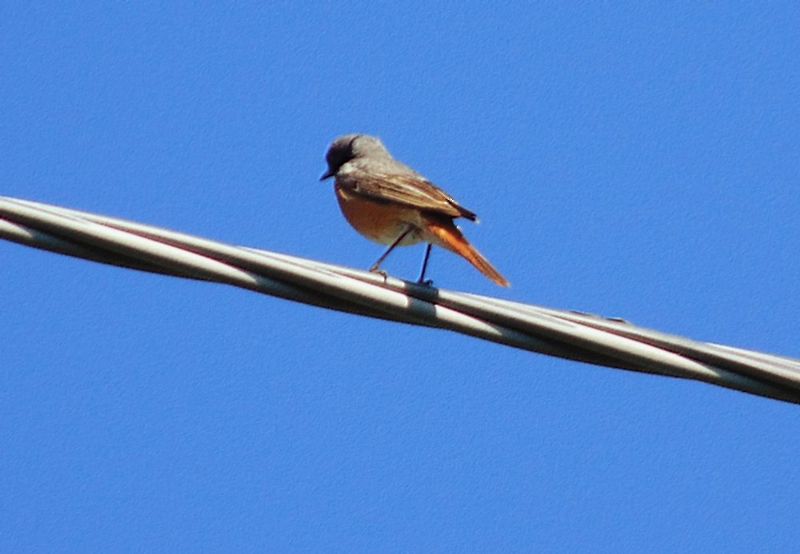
pixel 380 272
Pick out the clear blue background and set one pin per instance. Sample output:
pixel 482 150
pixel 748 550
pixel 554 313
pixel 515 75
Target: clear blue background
pixel 632 160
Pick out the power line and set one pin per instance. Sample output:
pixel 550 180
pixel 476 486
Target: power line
pixel 576 336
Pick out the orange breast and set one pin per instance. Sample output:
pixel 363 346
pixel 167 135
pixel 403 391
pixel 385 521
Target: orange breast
pixel 379 222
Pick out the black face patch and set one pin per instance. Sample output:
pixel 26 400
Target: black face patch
pixel 341 153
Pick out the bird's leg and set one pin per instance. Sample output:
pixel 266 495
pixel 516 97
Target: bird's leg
pixel 377 265
pixel 427 257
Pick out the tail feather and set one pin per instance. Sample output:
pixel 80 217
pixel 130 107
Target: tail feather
pixel 448 236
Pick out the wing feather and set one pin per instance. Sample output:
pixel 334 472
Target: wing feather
pixel 411 190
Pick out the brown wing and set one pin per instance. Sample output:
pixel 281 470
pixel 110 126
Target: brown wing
pixel 411 190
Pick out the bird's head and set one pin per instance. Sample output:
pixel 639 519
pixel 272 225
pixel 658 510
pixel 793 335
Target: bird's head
pixel 351 147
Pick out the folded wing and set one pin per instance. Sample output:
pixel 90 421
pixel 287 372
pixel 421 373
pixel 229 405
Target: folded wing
pixel 411 190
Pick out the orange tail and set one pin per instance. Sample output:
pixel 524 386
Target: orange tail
pixel 448 236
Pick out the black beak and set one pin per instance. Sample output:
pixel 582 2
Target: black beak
pixel 327 175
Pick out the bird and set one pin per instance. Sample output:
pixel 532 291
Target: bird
pixel 391 204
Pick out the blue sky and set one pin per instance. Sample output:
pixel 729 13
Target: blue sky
pixel 634 160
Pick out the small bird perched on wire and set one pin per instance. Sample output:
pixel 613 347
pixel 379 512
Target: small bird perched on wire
pixel 390 203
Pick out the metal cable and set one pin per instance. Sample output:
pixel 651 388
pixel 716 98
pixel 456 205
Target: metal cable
pixel 572 335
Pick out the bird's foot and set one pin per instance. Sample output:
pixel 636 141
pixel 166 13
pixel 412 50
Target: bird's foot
pixel 376 269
